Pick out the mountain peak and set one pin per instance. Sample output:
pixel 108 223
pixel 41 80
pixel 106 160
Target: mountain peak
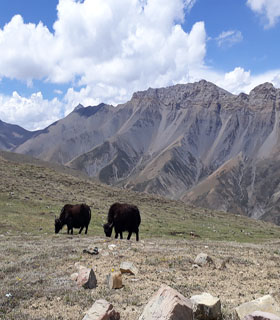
pixel 263 88
pixel 78 107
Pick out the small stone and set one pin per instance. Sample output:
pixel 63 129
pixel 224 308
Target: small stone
pixel 86 278
pixel 91 250
pixel 112 247
pixel 264 304
pixel 114 280
pixel 74 276
pixel 259 315
pixel 128 267
pixel 101 310
pixel 202 259
pixel 206 307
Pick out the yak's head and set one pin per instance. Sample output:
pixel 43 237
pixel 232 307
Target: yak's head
pixel 108 227
pixel 57 225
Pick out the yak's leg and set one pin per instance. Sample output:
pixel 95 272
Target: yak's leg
pixel 129 235
pixel 121 236
pixel 86 229
pixel 116 235
pixel 69 226
pixel 81 229
pixel 137 235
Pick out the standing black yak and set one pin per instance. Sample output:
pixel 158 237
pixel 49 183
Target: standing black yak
pixel 74 216
pixel 123 217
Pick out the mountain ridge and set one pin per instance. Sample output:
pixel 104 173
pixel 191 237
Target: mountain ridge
pixel 170 141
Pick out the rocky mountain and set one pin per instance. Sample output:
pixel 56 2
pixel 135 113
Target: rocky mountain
pixel 195 142
pixel 12 136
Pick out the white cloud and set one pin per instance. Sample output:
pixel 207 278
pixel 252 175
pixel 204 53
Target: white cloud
pixel 108 49
pixel 57 91
pixel 270 9
pixel 26 51
pixel 235 81
pixel 32 113
pixel 229 38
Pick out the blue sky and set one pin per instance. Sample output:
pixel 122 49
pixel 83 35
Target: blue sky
pixel 55 54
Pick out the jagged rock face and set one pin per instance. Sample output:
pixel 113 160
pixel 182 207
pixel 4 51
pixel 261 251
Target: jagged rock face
pixel 12 136
pixel 196 142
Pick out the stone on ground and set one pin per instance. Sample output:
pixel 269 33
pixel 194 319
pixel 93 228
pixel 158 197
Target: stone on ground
pixel 265 304
pixel 114 280
pixel 203 259
pixel 128 267
pixel 260 315
pixel 74 276
pixel 167 304
pixel 86 278
pixel 101 310
pixel 206 307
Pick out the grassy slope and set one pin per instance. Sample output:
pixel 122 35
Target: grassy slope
pixel 35 264
pixel 32 194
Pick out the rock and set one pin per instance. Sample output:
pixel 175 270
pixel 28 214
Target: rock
pixel 86 278
pixel 128 267
pixel 101 310
pixel 167 304
pixel 114 280
pixel 206 307
pixel 265 304
pixel 91 250
pixel 112 247
pixel 194 235
pixel 203 259
pixel 259 315
pixel 74 276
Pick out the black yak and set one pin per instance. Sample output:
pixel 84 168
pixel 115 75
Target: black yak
pixel 74 216
pixel 123 217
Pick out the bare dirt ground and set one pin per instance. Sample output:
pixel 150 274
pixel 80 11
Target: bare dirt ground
pixel 35 273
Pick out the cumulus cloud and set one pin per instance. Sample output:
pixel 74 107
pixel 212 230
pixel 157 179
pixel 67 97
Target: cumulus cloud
pixel 108 48
pixel 26 51
pixel 105 50
pixel 269 9
pixel 32 113
pixel 235 81
pixel 229 38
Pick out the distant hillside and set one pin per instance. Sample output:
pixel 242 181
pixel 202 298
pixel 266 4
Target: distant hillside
pixel 178 142
pixel 12 136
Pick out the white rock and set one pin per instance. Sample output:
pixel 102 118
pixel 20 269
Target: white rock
pixel 112 247
pixel 206 307
pixel 167 304
pixel 101 310
pixel 203 259
pixel 74 276
pixel 265 304
pixel 128 267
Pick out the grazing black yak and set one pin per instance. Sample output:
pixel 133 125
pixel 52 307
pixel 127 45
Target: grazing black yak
pixel 123 217
pixel 74 216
